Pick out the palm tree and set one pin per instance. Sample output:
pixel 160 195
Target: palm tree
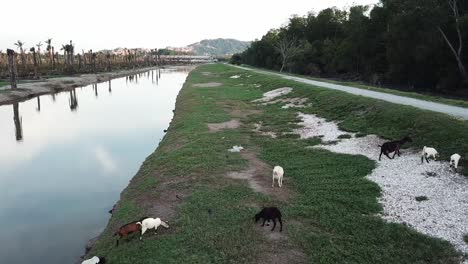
pixel 20 44
pixel 49 49
pixel 64 48
pixel 39 45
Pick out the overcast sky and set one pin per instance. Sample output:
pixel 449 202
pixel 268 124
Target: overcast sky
pixel 97 24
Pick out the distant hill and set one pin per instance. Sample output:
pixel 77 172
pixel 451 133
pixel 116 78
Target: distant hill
pixel 217 47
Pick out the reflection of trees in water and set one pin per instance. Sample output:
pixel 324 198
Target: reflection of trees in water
pixel 110 87
pixel 38 104
pixel 73 100
pixel 53 97
pixel 18 122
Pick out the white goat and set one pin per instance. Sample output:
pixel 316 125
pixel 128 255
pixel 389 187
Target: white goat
pixel 454 159
pixel 150 223
pixel 94 260
pixel 428 153
pixel 278 173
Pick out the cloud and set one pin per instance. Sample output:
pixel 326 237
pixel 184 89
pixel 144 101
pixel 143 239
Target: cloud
pixel 105 159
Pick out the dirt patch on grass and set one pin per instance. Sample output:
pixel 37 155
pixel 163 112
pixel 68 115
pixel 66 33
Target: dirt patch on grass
pixel 259 177
pixel 258 130
pixel 295 102
pixel 207 85
pixel 277 247
pixel 232 124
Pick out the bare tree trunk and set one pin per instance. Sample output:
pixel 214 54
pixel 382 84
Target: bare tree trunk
pixel 287 48
pixel 108 62
pixel 94 61
pixel 53 58
pixel 39 56
pixel 33 50
pixel 12 68
pixel 79 62
pixel 456 52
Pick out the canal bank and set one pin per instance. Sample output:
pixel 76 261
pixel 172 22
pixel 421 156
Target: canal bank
pixel 209 195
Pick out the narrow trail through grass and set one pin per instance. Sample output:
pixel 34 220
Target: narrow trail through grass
pixel 329 208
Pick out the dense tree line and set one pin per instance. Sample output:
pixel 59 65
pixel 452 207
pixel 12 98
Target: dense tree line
pixel 419 44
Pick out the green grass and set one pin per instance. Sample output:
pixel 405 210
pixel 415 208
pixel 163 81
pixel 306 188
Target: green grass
pixel 416 95
pixel 331 215
pixel 344 136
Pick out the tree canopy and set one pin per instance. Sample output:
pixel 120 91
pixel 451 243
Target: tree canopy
pixel 402 43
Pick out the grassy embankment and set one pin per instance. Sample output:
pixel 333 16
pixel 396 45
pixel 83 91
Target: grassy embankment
pixel 330 213
pixel 416 95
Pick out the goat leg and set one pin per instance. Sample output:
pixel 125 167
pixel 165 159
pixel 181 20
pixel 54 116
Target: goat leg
pixel 386 154
pixel 380 156
pixel 274 224
pixel 427 159
pixel 281 224
pixel 264 220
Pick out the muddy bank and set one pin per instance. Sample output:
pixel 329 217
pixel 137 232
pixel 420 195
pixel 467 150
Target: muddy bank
pixel 29 90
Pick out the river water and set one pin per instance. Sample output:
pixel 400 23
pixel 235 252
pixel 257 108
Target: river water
pixel 64 160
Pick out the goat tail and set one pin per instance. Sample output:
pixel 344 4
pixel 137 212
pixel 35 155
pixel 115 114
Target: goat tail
pixel 164 224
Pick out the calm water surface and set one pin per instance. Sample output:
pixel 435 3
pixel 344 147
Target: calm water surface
pixel 64 160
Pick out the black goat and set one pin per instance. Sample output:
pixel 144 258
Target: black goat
pixel 393 146
pixel 270 213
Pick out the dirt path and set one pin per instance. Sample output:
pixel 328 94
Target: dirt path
pixel 455 111
pixel 53 85
pixel 277 248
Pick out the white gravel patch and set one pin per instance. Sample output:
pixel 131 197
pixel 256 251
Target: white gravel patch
pixel 268 96
pixel 313 126
pixel 444 215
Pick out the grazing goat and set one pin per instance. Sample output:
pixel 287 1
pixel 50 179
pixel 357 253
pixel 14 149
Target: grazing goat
pixel 94 260
pixel 270 213
pixel 393 146
pixel 278 173
pixel 128 229
pixel 150 223
pixel 454 159
pixel 428 153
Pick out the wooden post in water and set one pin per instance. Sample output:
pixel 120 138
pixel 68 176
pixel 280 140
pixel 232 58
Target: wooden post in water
pixel 38 104
pixel 18 123
pixel 33 50
pixel 12 68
